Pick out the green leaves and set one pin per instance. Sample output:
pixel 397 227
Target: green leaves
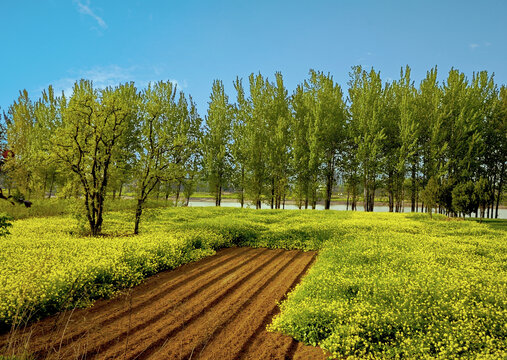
pixel 217 139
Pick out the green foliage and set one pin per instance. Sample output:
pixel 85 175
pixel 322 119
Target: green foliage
pixel 269 146
pixel 5 224
pixel 46 267
pixel 367 110
pixel 59 207
pixel 93 124
pixel 217 139
pixel 464 200
pixel 429 195
pixel 482 191
pixel 383 286
pixel 402 287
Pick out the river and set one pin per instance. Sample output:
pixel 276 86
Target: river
pixel 502 213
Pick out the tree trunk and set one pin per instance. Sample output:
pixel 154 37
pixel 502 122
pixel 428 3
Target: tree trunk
pixel 167 191
pixel 372 194
pixel 114 194
pixel 417 201
pixel 390 190
pixel 329 191
pixel 119 192
pixel 307 195
pixel 500 185
pixel 242 198
pixel 51 185
pixel 272 193
pixel 178 189
pixel 45 185
pixel 366 193
pixel 413 188
pixel 139 212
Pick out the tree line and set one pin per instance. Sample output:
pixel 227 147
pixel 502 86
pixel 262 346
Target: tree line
pixel 436 145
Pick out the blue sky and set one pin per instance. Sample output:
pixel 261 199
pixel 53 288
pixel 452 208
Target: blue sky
pixel 194 42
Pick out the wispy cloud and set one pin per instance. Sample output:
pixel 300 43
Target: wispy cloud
pixel 473 46
pixel 112 75
pixel 86 10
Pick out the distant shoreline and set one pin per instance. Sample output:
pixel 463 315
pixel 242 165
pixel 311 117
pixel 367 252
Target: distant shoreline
pixel 292 202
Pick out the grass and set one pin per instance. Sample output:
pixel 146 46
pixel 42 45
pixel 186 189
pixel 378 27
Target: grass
pixel 383 286
pixel 72 207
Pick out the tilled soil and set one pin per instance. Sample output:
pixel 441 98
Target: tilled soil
pixel 216 308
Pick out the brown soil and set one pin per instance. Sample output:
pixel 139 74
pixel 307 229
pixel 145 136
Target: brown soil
pixel 216 308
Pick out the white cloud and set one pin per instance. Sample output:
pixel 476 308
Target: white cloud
pixel 112 75
pixel 473 46
pixel 85 9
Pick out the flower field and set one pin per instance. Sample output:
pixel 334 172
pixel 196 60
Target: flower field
pixel 383 285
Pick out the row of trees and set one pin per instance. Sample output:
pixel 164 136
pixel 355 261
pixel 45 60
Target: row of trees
pixel 100 139
pixel 267 145
pixel 388 136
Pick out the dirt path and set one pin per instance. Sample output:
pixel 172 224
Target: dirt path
pixel 216 308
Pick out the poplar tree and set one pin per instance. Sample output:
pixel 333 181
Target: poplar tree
pixel 256 134
pixel 428 158
pixel 242 116
pixel 327 109
pixel 278 139
pixel 366 108
pixel 405 136
pixel 22 140
pixel 497 149
pixel 217 140
pixel 301 147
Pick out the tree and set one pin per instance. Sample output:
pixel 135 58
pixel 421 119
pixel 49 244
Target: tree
pixel 464 200
pixel 242 115
pixel 255 140
pixel 461 117
pixel 327 109
pixel 93 121
pixel 193 153
pixel 405 133
pixel 482 192
pixel 217 140
pixel 428 157
pixel 366 108
pixel 30 128
pixel 429 195
pixel 155 128
pixel 278 139
pixel 495 149
pixel 21 137
pixel 301 147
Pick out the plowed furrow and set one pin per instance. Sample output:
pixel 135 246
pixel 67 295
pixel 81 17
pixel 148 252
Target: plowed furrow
pixel 106 312
pixel 214 317
pixel 164 324
pixel 260 331
pixel 216 308
pixel 132 321
pixel 226 337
